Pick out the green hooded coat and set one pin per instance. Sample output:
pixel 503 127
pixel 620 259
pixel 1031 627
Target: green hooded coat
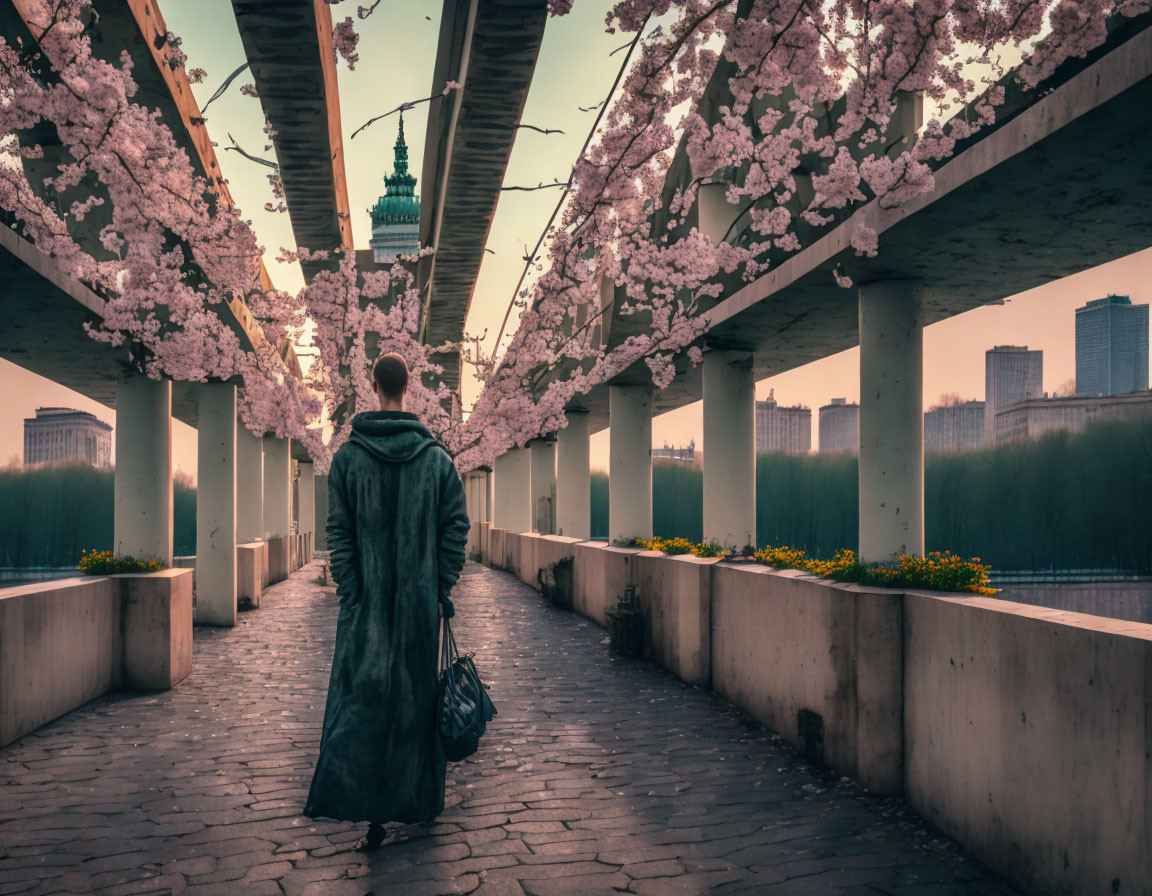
pixel 397 530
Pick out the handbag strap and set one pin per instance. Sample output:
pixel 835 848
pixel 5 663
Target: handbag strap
pixel 448 651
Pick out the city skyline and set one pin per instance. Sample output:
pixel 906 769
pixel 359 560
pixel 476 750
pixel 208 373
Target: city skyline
pixel 954 362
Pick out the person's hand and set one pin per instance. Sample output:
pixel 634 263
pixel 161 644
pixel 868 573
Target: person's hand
pixel 446 608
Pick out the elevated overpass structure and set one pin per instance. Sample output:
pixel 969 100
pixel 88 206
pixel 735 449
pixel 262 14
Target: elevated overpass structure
pixel 490 47
pixel 1061 183
pixel 245 482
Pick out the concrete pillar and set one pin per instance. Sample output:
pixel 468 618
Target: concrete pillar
pixel 142 516
pixel 277 487
pixel 249 486
pixel 489 479
pixel 543 479
pixel 321 530
pixel 891 421
pixel 475 488
pixel 306 485
pixel 573 478
pixel 216 505
pixel 729 449
pixel 630 462
pixel 511 501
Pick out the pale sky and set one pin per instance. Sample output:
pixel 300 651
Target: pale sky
pixel 397 50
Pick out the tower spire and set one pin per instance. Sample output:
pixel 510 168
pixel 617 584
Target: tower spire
pixel 396 214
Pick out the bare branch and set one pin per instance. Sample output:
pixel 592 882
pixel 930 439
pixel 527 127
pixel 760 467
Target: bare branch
pixel 403 107
pixel 220 91
pixel 235 147
pixel 558 183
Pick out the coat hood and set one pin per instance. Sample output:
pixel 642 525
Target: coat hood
pixel 391 436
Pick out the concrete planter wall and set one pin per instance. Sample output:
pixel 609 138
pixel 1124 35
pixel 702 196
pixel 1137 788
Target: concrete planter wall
pixel 1028 737
pixel 251 571
pixel 286 554
pixel 157 625
pixel 66 642
pixel 601 574
pixel 675 594
pixel 496 538
pixel 1023 732
pixel 818 662
pixel 485 543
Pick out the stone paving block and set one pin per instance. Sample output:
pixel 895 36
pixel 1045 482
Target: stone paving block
pixel 599 775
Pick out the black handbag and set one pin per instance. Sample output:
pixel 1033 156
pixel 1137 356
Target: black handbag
pixel 465 709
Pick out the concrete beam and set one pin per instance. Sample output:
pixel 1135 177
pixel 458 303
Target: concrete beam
pixel 289 48
pixel 491 47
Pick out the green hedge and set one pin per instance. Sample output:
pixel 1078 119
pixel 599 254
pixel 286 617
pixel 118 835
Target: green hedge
pixel 1063 501
pixel 49 515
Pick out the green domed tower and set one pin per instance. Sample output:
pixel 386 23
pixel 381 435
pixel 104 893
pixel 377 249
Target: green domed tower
pixel 396 214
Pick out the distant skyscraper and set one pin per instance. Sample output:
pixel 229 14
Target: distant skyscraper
pixel 958 427
pixel 62 434
pixel 783 429
pixel 1011 374
pixel 839 427
pixel 396 214
pixel 1111 347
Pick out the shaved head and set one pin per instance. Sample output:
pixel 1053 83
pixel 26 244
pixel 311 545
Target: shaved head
pixel 390 374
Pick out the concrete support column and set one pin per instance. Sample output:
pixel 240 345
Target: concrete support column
pixel 249 486
pixel 574 478
pixel 630 462
pixel 142 517
pixel 216 505
pixel 306 486
pixel 891 421
pixel 729 449
pixel 543 478
pixel 277 487
pixel 511 501
pixel 321 524
pixel 475 488
pixel 489 479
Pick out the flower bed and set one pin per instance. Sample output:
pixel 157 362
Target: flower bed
pixel 675 546
pixel 938 571
pixel 105 563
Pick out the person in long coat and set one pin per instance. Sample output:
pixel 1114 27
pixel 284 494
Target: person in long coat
pixel 397 530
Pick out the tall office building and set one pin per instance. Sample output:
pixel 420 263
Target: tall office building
pixel 783 429
pixel 63 434
pixel 1111 347
pixel 1011 374
pixel 954 427
pixel 839 427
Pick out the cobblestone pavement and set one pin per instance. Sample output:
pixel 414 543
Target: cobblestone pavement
pixel 599 775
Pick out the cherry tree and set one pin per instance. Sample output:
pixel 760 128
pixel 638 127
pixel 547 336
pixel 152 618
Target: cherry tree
pixel 807 129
